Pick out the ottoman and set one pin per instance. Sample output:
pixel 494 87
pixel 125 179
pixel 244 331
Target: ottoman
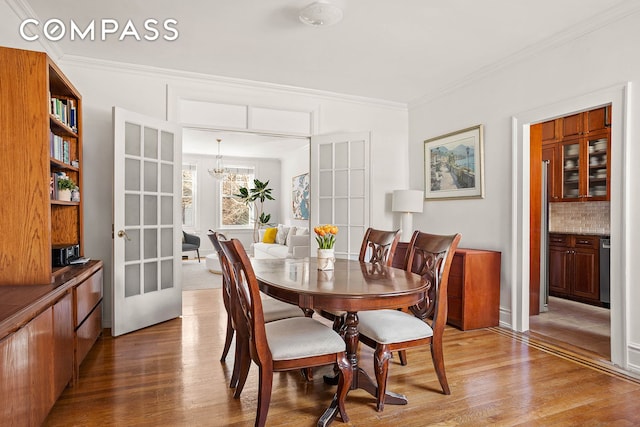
pixel 213 263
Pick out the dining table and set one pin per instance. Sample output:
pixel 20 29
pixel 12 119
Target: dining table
pixel 352 286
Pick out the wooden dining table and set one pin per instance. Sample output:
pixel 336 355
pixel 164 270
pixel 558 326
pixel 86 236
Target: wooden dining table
pixel 352 286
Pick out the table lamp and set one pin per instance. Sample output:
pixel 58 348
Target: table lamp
pixel 407 202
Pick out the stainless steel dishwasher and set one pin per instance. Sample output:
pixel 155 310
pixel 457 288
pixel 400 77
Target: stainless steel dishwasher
pixel 605 273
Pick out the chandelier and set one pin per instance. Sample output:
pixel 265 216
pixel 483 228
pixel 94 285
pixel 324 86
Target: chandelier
pixel 219 171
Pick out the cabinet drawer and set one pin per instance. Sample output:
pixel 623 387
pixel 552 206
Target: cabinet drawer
pixel 559 240
pixel 87 333
pixel 586 242
pixel 87 295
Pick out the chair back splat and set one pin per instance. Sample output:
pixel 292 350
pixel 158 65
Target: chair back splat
pixel 429 257
pixel 379 246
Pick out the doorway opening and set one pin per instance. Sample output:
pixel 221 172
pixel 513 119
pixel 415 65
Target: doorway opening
pixel 276 158
pixel 570 231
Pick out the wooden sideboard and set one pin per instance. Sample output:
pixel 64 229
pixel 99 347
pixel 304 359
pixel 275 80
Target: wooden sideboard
pixel 45 333
pixel 474 286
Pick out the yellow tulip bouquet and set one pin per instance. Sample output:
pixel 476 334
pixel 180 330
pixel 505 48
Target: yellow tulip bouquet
pixel 326 236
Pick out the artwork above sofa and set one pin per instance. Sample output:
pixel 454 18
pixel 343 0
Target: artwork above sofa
pixel 282 241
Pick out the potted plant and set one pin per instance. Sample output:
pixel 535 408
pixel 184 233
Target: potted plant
pixel 326 238
pixel 65 186
pixel 256 196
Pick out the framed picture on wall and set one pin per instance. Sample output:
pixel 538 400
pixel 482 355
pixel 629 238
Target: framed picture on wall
pixel 300 196
pixel 454 165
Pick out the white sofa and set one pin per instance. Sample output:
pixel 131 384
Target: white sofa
pixel 291 242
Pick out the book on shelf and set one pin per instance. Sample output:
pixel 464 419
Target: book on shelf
pixel 60 148
pixel 65 111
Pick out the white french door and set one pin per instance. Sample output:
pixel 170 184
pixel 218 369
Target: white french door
pixel 340 187
pixel 147 286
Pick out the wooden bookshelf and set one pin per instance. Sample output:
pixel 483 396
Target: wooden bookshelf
pixel 32 222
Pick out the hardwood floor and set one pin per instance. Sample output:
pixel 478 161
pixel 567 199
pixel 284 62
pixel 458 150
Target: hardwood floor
pixel 170 375
pixel 579 327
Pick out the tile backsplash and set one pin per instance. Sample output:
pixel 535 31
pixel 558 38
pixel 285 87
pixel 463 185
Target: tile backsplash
pixel 587 217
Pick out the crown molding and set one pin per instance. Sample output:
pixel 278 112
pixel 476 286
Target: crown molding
pixel 614 14
pixel 146 70
pixel 23 11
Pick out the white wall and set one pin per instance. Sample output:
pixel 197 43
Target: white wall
pixel 583 64
pixel 154 92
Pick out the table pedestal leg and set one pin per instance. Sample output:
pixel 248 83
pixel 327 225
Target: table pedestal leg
pixel 360 378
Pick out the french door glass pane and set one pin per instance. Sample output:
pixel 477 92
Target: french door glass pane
pixel 150 176
pixel 132 139
pixel 150 243
pixel 326 211
pixel 326 157
pixel 357 154
pixel 150 277
pixel 131 280
pixel 342 183
pixel 166 242
pixel 131 210
pixel 341 216
pixel 166 178
pixel 132 175
pixel 150 210
pixel 166 271
pixel 342 155
pixel 166 146
pixel 150 143
pixel 132 247
pixel 166 210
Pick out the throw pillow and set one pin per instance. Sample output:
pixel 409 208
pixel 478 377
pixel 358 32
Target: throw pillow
pixel 270 235
pixel 281 236
pixel 292 232
pixel 301 231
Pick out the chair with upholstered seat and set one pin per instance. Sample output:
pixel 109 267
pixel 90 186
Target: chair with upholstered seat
pixel 378 246
pixel 191 242
pixel 281 345
pixel 389 330
pixel 272 308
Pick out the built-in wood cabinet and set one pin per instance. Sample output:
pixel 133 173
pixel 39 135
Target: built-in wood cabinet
pixel 43 340
pixel 574 267
pixel 41 132
pixel 578 150
pixel 473 293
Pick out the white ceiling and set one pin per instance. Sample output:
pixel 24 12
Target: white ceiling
pixel 398 51
pixel 392 50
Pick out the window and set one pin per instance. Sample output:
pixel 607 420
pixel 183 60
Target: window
pixel 188 195
pixel 234 212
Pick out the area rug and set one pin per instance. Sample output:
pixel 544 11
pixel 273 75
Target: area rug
pixel 195 276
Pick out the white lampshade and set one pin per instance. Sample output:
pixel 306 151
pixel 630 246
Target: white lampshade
pixel 407 201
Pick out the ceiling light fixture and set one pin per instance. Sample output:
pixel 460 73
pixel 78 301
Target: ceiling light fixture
pixel 321 13
pixel 219 171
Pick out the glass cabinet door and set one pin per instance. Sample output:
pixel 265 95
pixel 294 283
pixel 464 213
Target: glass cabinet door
pixel 597 148
pixel 571 170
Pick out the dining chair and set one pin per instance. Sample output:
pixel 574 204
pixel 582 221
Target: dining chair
pixel 378 246
pixel 430 256
pixel 273 310
pixel 281 345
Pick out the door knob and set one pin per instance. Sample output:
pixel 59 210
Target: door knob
pixel 122 233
